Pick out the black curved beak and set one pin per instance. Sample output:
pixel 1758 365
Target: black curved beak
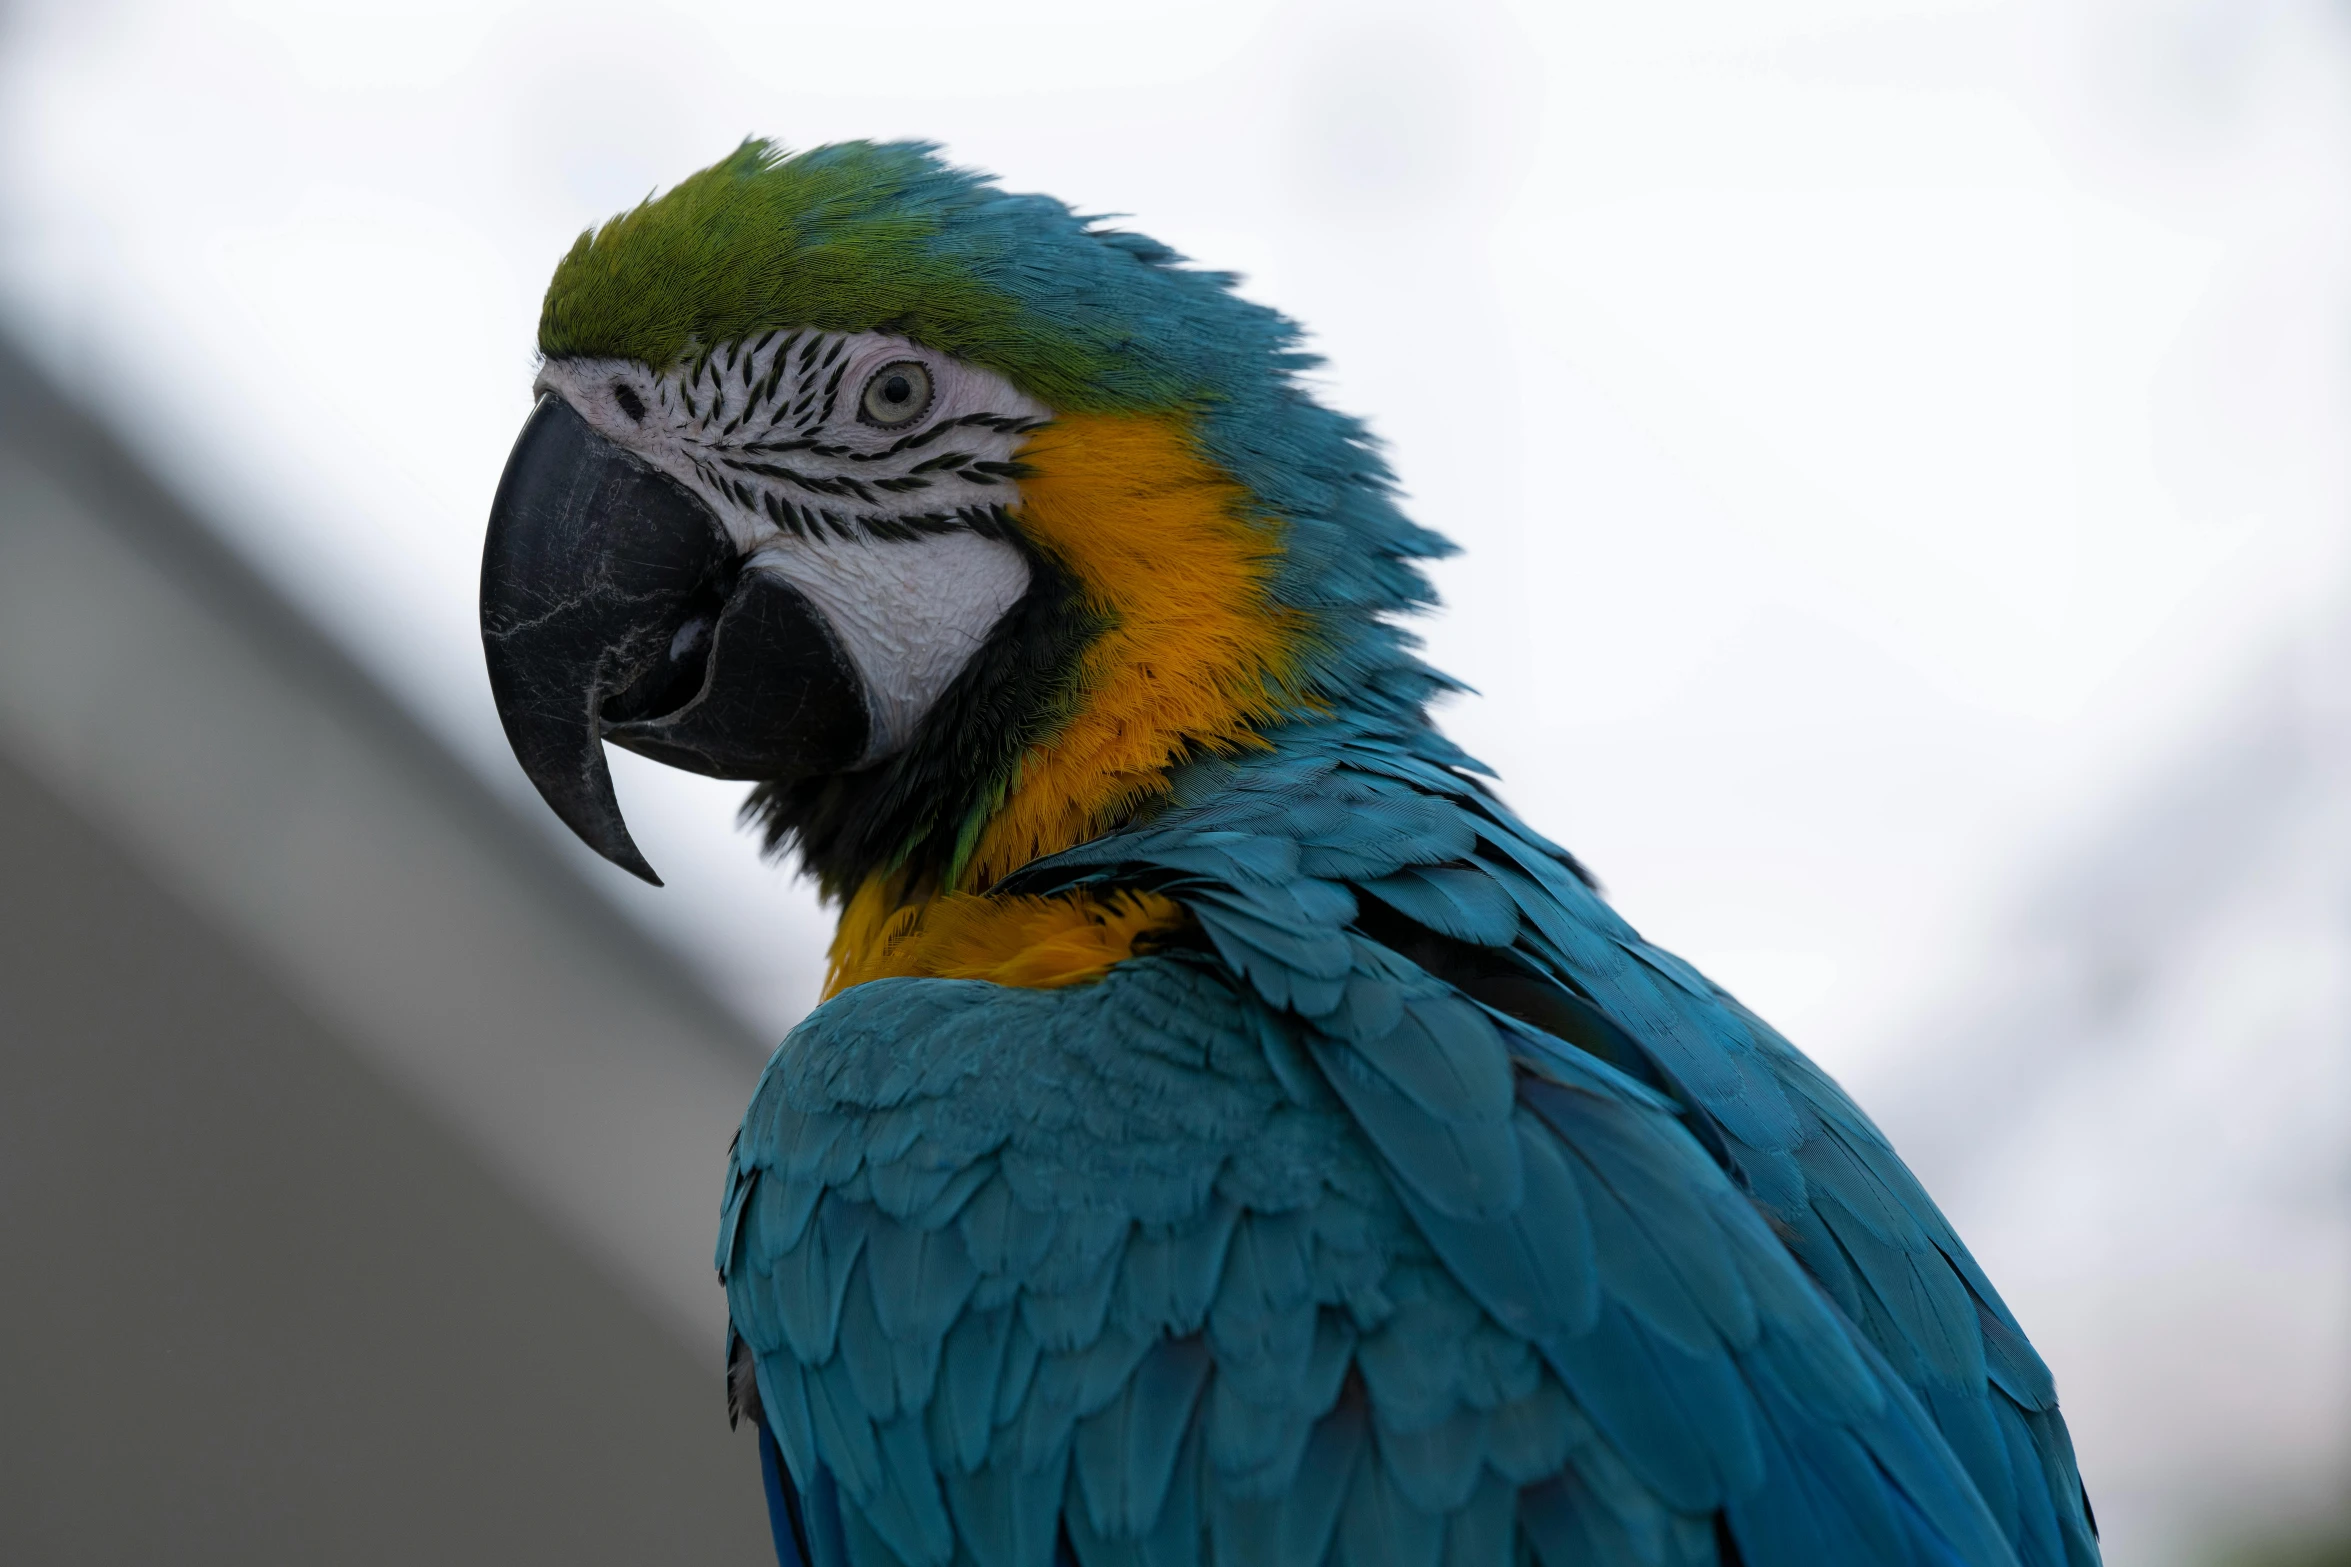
pixel 614 607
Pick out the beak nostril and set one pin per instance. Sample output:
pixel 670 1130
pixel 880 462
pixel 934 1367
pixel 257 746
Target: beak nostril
pixel 678 677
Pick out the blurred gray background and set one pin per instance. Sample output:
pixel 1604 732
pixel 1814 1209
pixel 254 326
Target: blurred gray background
pixel 1900 450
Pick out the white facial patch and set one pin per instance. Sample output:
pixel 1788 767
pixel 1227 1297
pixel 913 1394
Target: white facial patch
pixel 871 473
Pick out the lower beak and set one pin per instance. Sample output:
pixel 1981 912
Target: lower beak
pixel 615 606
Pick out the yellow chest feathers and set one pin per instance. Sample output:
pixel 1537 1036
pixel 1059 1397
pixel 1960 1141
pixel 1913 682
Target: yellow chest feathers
pixel 1034 943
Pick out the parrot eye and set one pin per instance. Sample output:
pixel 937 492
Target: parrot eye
pixel 630 403
pixel 896 396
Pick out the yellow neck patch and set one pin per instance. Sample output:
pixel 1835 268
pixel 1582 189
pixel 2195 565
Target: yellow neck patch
pixel 1035 943
pixel 1163 545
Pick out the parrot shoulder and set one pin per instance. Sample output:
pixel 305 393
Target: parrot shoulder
pixel 1340 872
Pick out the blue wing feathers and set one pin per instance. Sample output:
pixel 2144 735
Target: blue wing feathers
pixel 1435 1467
pixel 1528 1438
pixel 1174 1541
pixel 971 1365
pixel 1008 1516
pixel 1170 1276
pixel 1071 1317
pixel 918 1280
pixel 882 1375
pixel 843 1435
pixel 1533 1270
pixel 1380 1527
pixel 1457 1168
pixel 784 1519
pixel 1256 1447
pixel 1445 1056
pixel 1452 901
pixel 1004 1238
pixel 1125 1453
pixel 910 1510
pixel 1295 1524
pixel 1483 1531
pixel 1296 1249
pixel 1022 1355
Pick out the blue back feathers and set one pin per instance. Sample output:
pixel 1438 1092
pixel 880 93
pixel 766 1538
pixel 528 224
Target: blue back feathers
pixel 1422 1214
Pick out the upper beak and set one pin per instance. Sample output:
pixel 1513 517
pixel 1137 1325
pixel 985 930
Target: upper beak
pixel 615 606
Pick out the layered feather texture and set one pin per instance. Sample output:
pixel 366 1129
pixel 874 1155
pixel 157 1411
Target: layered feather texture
pixel 1420 1214
pixel 1258 1147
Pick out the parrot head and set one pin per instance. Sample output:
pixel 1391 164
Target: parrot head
pixel 954 521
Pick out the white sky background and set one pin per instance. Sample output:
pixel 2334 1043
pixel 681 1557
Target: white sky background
pixel 1879 431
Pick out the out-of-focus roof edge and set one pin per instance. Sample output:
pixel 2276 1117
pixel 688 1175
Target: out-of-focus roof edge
pixel 76 447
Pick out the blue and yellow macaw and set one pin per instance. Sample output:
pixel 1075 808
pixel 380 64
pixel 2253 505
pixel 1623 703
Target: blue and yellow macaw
pixel 1230 1134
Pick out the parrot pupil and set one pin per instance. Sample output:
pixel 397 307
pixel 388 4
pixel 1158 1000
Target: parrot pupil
pixel 630 403
pixel 895 395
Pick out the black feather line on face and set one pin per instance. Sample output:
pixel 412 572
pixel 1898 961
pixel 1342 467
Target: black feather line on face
pixel 908 810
